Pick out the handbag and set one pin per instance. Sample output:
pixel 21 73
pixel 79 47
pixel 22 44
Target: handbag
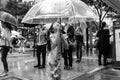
pixel 4 42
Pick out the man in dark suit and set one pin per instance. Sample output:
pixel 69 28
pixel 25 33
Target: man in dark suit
pixel 103 44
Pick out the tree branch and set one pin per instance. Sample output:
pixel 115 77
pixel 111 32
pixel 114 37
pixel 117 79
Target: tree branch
pixel 105 13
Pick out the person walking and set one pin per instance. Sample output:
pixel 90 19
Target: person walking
pixel 5 45
pixel 103 44
pixel 41 47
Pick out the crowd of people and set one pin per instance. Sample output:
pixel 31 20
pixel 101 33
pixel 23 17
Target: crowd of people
pixel 58 43
pixel 55 43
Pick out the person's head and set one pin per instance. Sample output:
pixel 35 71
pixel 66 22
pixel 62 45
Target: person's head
pixel 103 25
pixel 54 27
pixel 6 25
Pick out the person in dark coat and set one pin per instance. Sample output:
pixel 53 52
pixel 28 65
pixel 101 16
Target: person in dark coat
pixel 79 40
pixel 103 44
pixel 68 59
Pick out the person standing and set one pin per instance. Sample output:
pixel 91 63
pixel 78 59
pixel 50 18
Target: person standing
pixel 103 44
pixel 22 45
pixel 41 47
pixel 54 70
pixel 5 45
pixel 68 58
pixel 79 40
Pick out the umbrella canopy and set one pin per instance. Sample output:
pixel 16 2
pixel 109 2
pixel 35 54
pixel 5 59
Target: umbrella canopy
pixel 50 10
pixel 8 18
pixel 115 4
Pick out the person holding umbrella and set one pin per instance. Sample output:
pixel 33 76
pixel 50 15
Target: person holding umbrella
pixel 7 20
pixel 41 47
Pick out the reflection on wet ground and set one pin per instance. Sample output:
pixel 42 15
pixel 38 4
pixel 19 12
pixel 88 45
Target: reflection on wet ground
pixel 21 68
pixel 104 74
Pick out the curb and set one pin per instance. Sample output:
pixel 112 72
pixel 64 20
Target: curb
pixel 86 75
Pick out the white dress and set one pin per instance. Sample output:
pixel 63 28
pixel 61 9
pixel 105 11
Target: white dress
pixel 54 59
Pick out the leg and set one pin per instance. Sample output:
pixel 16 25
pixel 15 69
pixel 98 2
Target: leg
pixel 19 49
pixel 43 55
pixel 105 55
pixel 65 59
pixel 70 55
pixel 23 49
pixel 105 59
pixel 80 52
pixel 77 52
pixel 99 57
pixel 38 56
pixel 4 53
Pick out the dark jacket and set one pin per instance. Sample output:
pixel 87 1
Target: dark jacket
pixel 103 36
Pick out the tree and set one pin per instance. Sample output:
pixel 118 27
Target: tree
pixel 15 8
pixel 100 7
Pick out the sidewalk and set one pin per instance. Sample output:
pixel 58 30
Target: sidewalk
pixel 21 68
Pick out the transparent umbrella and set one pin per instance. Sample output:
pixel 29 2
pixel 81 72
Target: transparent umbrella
pixel 50 10
pixel 8 18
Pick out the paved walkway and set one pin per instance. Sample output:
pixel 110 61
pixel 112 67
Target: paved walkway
pixel 21 68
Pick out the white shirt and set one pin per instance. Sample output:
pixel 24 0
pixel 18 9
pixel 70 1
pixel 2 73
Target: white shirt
pixel 6 36
pixel 42 36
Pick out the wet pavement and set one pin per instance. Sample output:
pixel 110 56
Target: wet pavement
pixel 21 68
pixel 102 74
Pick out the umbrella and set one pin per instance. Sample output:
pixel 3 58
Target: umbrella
pixel 50 10
pixel 8 18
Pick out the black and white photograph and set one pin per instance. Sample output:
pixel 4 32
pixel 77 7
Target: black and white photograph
pixel 59 39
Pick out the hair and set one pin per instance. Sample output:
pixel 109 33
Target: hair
pixel 51 28
pixel 48 34
pixel 103 25
pixel 8 25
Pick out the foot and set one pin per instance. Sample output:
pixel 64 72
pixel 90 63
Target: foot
pixel 77 61
pixel 65 67
pixel 69 68
pixel 99 64
pixel 3 74
pixel 36 66
pixel 104 64
pixel 40 67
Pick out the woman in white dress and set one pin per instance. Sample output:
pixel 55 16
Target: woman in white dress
pixel 54 49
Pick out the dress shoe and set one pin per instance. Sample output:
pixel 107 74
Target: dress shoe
pixel 40 67
pixel 65 67
pixel 77 61
pixel 36 66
